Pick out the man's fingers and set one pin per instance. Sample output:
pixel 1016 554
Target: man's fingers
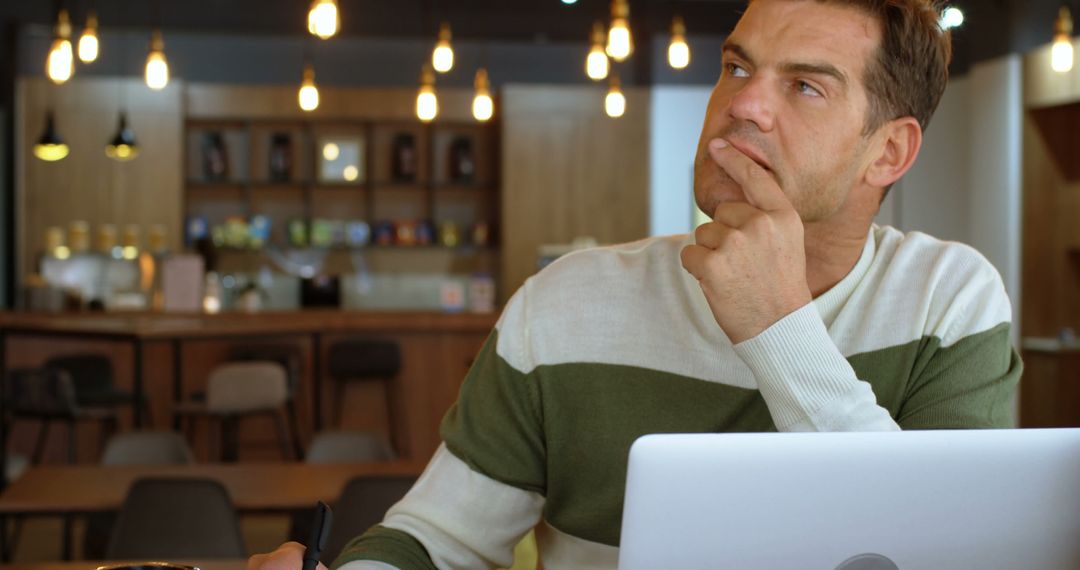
pixel 760 188
pixel 734 214
pixel 288 556
pixel 693 261
pixel 256 562
pixel 713 235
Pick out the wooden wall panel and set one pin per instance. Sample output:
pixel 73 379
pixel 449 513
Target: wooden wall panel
pixel 87 185
pixel 569 170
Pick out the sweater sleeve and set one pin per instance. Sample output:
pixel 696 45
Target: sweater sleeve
pixel 484 488
pixel 805 381
pixel 965 374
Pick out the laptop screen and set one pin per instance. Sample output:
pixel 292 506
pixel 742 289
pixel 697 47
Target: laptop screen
pixel 982 499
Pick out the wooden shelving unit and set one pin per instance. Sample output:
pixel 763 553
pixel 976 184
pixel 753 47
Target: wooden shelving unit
pixel 308 191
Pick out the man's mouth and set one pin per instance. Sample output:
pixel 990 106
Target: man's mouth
pixel 752 153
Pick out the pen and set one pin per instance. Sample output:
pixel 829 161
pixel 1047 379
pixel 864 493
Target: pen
pixel 320 530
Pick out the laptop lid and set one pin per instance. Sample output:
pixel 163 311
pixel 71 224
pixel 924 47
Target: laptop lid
pixel 987 499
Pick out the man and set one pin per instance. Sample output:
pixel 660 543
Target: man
pixel 789 311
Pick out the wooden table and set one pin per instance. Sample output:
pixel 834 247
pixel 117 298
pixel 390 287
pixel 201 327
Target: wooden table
pixel 253 487
pixel 240 564
pixel 140 329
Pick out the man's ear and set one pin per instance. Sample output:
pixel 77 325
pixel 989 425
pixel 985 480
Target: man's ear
pixel 901 140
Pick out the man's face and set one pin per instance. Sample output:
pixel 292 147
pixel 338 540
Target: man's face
pixel 791 97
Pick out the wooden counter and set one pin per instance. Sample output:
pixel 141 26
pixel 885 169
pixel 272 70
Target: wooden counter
pixel 168 357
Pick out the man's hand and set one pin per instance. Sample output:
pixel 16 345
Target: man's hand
pixel 750 260
pixel 288 556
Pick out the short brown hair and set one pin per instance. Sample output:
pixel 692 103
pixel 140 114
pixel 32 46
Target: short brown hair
pixel 909 74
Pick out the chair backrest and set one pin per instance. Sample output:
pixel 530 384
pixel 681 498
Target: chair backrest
pixel 176 519
pixel 89 372
pixel 238 387
pixel 348 447
pixel 287 355
pixel 147 448
pixel 363 504
pixel 40 392
pixel 364 359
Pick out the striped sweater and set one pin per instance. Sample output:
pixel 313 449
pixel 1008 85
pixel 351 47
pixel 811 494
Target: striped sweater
pixel 608 344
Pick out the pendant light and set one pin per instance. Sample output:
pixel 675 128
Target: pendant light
pixel 483 106
pixel 678 52
pixel 50 147
pixel 443 56
pixel 323 20
pixel 88 41
pixel 620 45
pixel 597 64
pixel 1061 55
pixel 309 93
pixel 427 104
pixel 615 102
pixel 60 64
pixel 122 146
pixel 157 67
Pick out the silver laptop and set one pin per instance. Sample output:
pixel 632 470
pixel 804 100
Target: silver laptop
pixel 933 500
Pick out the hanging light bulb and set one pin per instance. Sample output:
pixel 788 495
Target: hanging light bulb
pixel 427 104
pixel 615 102
pixel 88 41
pixel 483 106
pixel 620 45
pixel 157 67
pixel 323 20
pixel 50 147
pixel 122 146
pixel 309 93
pixel 678 53
pixel 951 17
pixel 1061 55
pixel 596 64
pixel 60 64
pixel 443 56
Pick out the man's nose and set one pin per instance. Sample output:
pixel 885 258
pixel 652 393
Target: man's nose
pixel 755 102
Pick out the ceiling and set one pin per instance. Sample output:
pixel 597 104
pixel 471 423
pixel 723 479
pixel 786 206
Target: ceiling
pixel 993 27
pixel 524 20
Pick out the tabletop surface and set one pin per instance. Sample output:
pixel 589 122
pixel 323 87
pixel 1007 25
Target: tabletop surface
pixel 251 486
pixel 228 564
pixel 194 325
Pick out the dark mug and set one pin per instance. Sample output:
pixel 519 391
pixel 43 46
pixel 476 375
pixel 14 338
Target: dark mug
pixel 148 566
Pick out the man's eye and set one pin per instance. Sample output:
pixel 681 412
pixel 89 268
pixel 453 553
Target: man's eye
pixel 734 70
pixel 805 88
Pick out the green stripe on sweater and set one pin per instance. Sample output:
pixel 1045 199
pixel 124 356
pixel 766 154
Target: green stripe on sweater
pixel 565 430
pixel 387 545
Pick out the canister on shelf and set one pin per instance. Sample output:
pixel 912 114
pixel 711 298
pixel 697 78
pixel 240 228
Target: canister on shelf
pixel 79 236
pixel 106 238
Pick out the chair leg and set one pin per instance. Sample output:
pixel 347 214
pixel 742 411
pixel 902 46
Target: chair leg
pixel 72 442
pixel 39 446
pixel 294 425
pixel 339 401
pixel 388 387
pixel 229 440
pixel 283 434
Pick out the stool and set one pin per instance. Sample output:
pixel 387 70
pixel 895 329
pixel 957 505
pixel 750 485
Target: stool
pixel 364 360
pixel 236 390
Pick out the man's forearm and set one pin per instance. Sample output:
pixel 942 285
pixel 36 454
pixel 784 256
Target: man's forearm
pixel 806 381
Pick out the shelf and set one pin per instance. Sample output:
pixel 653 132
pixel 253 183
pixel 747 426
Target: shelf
pixel 201 184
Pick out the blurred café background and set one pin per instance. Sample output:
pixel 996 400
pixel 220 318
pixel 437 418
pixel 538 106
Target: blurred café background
pixel 275 233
